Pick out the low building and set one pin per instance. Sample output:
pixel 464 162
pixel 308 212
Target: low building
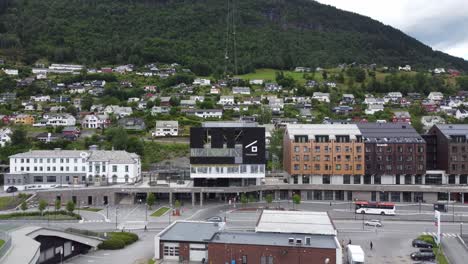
pixel 429 121
pixel 280 237
pixel 132 123
pixel 95 121
pixel 49 168
pixel 5 136
pixel 401 117
pixel 166 128
pixel 321 97
pixel 373 108
pixel 461 114
pixel 205 113
pixel 226 100
pixel 435 96
pixel 241 90
pixel 24 119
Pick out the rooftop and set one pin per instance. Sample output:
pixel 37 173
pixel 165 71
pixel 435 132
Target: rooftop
pixel 322 129
pixel 116 156
pixel 296 222
pixel 190 231
pixel 453 129
pixel 389 133
pixel 273 239
pixel 229 124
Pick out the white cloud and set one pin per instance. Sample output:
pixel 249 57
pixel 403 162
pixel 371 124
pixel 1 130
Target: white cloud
pixel 441 24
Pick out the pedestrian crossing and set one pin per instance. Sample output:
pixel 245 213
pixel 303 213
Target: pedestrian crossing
pixel 446 235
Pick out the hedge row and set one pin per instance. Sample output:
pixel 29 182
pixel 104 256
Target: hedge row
pixel 118 240
pixel 25 214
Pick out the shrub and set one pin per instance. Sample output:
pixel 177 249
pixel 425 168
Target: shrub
pixel 126 237
pixel 112 244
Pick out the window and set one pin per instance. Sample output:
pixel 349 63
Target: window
pixel 378 179
pixel 90 168
pixel 244 259
pixel 346 179
pixel 296 149
pixel 296 167
pixel 51 179
pixel 338 167
pixel 338 149
pixel 126 168
pixel 306 157
pixel 328 195
pixel 317 148
pixel 114 168
pixel 306 149
pixel 326 179
pixel 357 179
pixel 38 179
pixel 171 251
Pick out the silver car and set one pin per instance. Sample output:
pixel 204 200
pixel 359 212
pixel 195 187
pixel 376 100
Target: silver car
pixel 373 222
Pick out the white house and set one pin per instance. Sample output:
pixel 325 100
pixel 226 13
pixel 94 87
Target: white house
pixel 256 82
pixel 11 72
pixel 461 114
pixel 241 90
pixel 49 168
pixel 215 90
pixel 372 109
pixel 40 98
pixel 429 121
pixel 166 128
pixel 5 136
pixel 199 98
pixel 374 101
pixel 405 68
pixel 57 120
pixel 226 100
pixel 119 111
pixel 394 96
pixel 205 113
pixel 435 96
pixel 202 82
pixel 322 97
pixel 439 70
pixel 95 121
pixel 160 110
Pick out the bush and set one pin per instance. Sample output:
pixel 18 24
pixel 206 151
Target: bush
pixel 112 244
pixel 26 214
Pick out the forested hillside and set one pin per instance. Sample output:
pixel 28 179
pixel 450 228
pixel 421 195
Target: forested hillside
pixel 270 33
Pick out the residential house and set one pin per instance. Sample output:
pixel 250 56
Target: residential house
pixel 405 68
pixel 321 97
pixel 142 105
pixel 166 128
pixel 24 119
pixel 97 108
pixel 276 105
pixel 205 113
pixel 165 100
pixel 215 90
pixel 118 111
pixel 199 98
pixel 438 70
pixel 448 110
pixel 40 98
pixel 272 87
pixel 401 117
pixel 347 99
pixel 160 110
pixel 71 132
pixel 342 110
pixel 374 101
pixel 461 114
pixel 256 82
pixel 429 121
pixel 241 90
pixel 188 103
pixel 226 100
pixel 57 108
pixel 202 82
pixel 414 96
pixel 132 123
pixel 48 137
pixel 302 69
pixel 373 108
pixel 394 96
pixel 306 114
pixel 311 84
pixel 54 119
pixel 95 121
pixel 133 100
pixel 11 72
pixel 7 97
pixel 429 106
pixel 5 136
pixel 435 96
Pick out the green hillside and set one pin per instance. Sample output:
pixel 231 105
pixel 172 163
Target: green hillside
pixel 276 34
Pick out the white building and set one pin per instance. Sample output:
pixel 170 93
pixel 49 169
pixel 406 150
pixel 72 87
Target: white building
pixel 119 111
pixel 166 128
pixel 226 100
pixel 95 121
pixel 5 136
pixel 405 68
pixel 50 168
pixel 394 96
pixel 202 82
pixel 57 120
pixel 429 121
pixel 372 109
pixel 11 72
pixel 461 114
pixel 321 97
pixel 435 96
pixel 206 113
pixel 256 82
pixel 241 90
pixel 40 98
pixel 374 101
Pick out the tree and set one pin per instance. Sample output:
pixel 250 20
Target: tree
pixel 265 115
pixel 19 137
pixel 70 206
pixel 296 199
pixel 177 204
pixel 269 198
pixel 243 199
pixel 150 200
pixel 58 204
pixel 42 206
pixel 24 206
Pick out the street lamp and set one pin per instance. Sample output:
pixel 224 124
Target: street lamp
pixel 116 213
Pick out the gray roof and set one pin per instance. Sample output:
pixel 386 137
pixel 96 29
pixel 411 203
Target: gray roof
pixel 190 231
pixel 49 154
pixel 116 156
pixel 229 124
pixel 164 123
pixel 274 239
pixel 453 130
pixel 389 133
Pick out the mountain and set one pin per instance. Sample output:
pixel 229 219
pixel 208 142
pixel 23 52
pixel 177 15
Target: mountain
pixel 269 33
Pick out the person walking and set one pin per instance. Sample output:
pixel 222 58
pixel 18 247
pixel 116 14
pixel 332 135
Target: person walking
pixel 371 245
pixel 349 242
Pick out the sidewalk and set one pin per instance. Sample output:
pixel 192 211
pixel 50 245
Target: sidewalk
pixel 455 251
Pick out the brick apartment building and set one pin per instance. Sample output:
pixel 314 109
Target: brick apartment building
pixel 323 154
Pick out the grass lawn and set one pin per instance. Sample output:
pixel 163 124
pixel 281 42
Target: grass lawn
pixel 270 75
pixel 441 259
pixel 161 211
pixel 2 242
pixel 10 202
pixel 90 209
pixel 151 261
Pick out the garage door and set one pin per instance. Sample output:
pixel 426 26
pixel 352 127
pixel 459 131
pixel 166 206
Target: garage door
pixel 171 251
pixel 198 252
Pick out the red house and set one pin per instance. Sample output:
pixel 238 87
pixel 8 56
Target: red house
pixel 429 106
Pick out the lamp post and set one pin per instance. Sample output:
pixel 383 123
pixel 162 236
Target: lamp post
pixel 146 212
pixel 461 228
pixel 116 213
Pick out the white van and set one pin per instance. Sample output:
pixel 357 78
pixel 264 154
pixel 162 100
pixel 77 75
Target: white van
pixel 354 254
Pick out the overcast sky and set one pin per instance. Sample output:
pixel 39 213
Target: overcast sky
pixel 441 24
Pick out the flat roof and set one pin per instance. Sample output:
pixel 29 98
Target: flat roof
pixel 229 124
pixel 313 130
pixel 274 239
pixel 389 133
pixel 296 222
pixel 190 231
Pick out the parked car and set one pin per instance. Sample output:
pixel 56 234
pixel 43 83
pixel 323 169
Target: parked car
pixel 373 222
pixel 421 244
pixel 11 189
pixel 214 219
pixel 425 250
pixel 422 256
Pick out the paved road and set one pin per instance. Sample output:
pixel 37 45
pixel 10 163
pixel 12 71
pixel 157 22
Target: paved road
pixel 455 251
